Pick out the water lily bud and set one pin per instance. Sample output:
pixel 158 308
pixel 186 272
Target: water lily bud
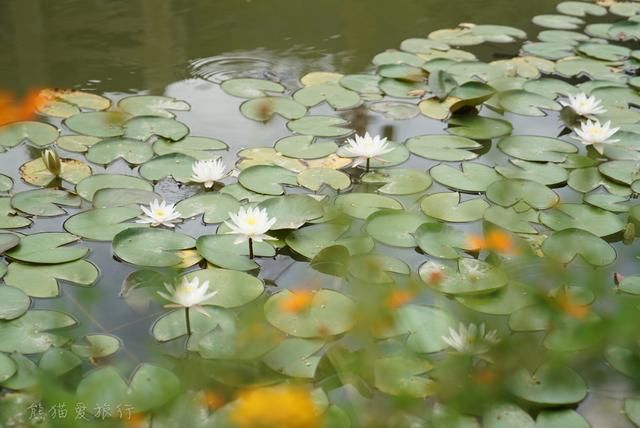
pixel 51 161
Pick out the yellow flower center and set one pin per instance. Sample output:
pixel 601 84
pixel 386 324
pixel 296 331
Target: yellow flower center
pixel 160 212
pixel 251 221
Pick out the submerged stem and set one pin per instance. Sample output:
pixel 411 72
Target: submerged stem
pixel 367 167
pixel 186 316
pixel 250 248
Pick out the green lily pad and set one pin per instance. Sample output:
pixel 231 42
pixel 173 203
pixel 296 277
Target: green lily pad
pixel 508 218
pixel 35 172
pixel 630 284
pixel 304 147
pixel 144 127
pixel 329 314
pixel 47 248
pixel 563 418
pixel 585 217
pixel 102 124
pixel 44 280
pixel 507 416
pixel 26 375
pixel 233 288
pixel 221 250
pixel 13 303
pixel 365 84
pixel 398 181
pixel 395 110
pixel 76 143
pixel 552 50
pixel 292 211
pixel 37 133
pixel 335 95
pixel 97 346
pixel 621 171
pixel 579 8
pixel 514 296
pixel 443 147
pixel 548 174
pixel 425 325
pixel 604 51
pixel 563 36
pixel 111 149
pixel 152 105
pixel 200 148
pixel 63 103
pixel 315 178
pixel 6 183
pixel 320 126
pixel 151 247
pixel 536 149
pixel 398 154
pixel 172 325
pixel 402 89
pixel 8 241
pixel 526 103
pixel 310 240
pixel 251 88
pixel 333 260
pixel 559 22
pixel 267 179
pixel 111 198
pixel 32 332
pixel 394 227
pixel 624 360
pixel 215 207
pixel 474 277
pixel 44 202
pixel 448 207
pixel 268 156
pixel 567 244
pixel 102 224
pixel 10 218
pixel 58 361
pixel 472 177
pixel 176 165
pixel 613 203
pixel 549 385
pixel 478 127
pixel 509 192
pixel 441 240
pixel 263 109
pixel 296 357
pixel 587 179
pixel 88 187
pixel 403 375
pixel 362 205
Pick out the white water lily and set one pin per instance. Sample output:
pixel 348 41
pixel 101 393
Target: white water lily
pixel 584 105
pixel 208 172
pixel 252 223
pixel 367 148
pixel 159 214
pixel 471 339
pixel 595 134
pixel 187 294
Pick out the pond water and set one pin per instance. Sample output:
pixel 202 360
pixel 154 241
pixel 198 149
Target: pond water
pixel 185 49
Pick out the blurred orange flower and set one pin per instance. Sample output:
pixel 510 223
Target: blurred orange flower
pixel 276 407
pixel 297 301
pixel 397 298
pixel 14 110
pixel 494 240
pixel 137 420
pixel 569 306
pixel 212 399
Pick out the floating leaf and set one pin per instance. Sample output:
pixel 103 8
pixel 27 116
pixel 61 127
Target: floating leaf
pixel 102 124
pixel 215 207
pixel 102 224
pixel 362 205
pixel 507 416
pixel 303 147
pixel 47 247
pixel 9 218
pixel 509 192
pixel 152 105
pixel 296 357
pixel 222 251
pixel 508 218
pixel 111 149
pixel 13 302
pixel 200 148
pixel 31 333
pixel 151 247
pixel 441 240
pixel 514 296
pixel 35 172
pixel 395 110
pixel 443 147
pixel 320 126
pixel 549 385
pixel 6 183
pixel 478 127
pixel 111 198
pixel 399 181
pixel 37 133
pixel 559 22
pixel 329 313
pixel 567 244
pixel 587 179
pixel 592 219
pixel 176 165
pixel 365 84
pixel 536 149
pixel 58 361
pixel 292 211
pixel 315 178
pixel 250 88
pixel 449 207
pixel 335 95
pixel 526 103
pixel 44 202
pixel 310 240
pixel 402 375
pixel 395 227
pixel 144 127
pixel 473 177
pixel 44 280
pixel 88 187
pixel 76 143
pixel 97 346
pixel 266 179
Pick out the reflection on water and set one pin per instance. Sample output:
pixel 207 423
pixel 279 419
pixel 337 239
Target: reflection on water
pixel 132 45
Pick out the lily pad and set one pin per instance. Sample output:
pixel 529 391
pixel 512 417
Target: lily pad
pixel 585 217
pixel 304 147
pixel 296 357
pixel 320 126
pixel 310 240
pixel 394 227
pixel 111 198
pixel 536 149
pixel 176 165
pixel 44 202
pixel 200 148
pixel 97 346
pixel 32 332
pixel 514 296
pixel 472 177
pixel 111 149
pixel 567 244
pixel 58 361
pixel 35 172
pixel 315 178
pixel 443 147
pixel 215 207
pixel 13 302
pixel 507 416
pixel 37 133
pixel 233 288
pixel 395 110
pixel 509 192
pixel 251 88
pixel 222 251
pixel 329 313
pixel 559 22
pixel 526 103
pixel 267 179
pixel 47 248
pixel 102 124
pixel 549 385
pixel 151 247
pixel 44 280
pixel 9 217
pixel 335 95
pixel 478 127
pixel 152 105
pixel 102 224
pixel 448 207
pixel 76 143
pixel 398 181
pixel 441 240
pixel 144 127
pixel 292 211
pixel 508 218
pixel 90 185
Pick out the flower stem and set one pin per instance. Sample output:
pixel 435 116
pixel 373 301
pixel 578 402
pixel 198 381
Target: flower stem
pixel 250 248
pixel 367 167
pixel 186 317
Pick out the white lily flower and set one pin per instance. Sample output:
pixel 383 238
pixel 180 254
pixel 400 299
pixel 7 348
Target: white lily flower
pixel 584 105
pixel 471 340
pixel 595 134
pixel 159 214
pixel 188 294
pixel 208 172
pixel 250 224
pixel 367 148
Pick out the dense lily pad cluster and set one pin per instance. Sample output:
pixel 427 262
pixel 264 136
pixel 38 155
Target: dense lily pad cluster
pixel 414 265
